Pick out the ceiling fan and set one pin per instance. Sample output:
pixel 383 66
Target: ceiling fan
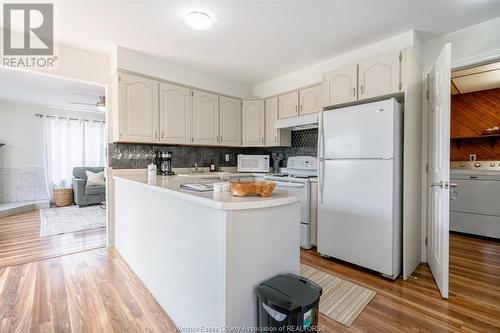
pixel 100 105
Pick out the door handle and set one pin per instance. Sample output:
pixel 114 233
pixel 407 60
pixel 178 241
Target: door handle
pixel 438 184
pixel 354 91
pixel 453 185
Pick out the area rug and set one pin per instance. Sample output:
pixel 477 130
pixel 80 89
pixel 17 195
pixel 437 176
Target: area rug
pixel 56 221
pixel 341 300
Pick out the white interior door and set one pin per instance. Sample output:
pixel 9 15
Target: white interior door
pixel 438 218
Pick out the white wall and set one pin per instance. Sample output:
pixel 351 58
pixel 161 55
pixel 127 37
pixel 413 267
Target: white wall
pixel 478 41
pixel 164 69
pixel 21 132
pixel 312 74
pixel 81 65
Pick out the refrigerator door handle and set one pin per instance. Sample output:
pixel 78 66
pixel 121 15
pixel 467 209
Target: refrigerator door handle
pixel 321 155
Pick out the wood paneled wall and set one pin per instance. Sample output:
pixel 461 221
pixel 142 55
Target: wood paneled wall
pixel 471 114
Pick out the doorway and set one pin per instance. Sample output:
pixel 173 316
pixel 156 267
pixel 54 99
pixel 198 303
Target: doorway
pixel 463 170
pixel 52 158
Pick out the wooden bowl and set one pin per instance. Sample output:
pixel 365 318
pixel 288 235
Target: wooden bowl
pixel 261 188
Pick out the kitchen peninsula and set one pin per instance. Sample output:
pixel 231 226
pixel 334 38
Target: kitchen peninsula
pixel 202 255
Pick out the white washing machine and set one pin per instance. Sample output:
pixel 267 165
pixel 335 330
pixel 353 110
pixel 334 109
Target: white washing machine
pixel 475 201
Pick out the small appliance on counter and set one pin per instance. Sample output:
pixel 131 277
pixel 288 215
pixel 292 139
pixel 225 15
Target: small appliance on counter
pixel 164 163
pixel 253 163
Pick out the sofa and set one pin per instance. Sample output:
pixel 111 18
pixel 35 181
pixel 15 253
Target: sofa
pixel 87 195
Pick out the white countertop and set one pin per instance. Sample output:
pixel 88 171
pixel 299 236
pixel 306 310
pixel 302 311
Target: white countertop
pixel 235 174
pixel 220 200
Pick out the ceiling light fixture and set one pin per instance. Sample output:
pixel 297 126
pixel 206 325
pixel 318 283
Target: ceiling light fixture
pixel 199 20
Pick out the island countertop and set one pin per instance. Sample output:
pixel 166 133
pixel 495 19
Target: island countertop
pixel 218 200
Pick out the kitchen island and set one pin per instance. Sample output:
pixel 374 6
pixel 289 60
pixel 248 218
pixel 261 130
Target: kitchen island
pixel 202 255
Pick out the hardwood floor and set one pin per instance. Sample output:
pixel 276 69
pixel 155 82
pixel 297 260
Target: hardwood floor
pixel 95 291
pixel 20 240
pixel 90 291
pixel 416 305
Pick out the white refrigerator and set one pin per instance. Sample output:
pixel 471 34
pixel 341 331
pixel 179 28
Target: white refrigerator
pixel 360 181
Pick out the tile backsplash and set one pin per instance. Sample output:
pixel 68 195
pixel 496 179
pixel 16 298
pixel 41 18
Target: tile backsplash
pixel 304 142
pixel 22 184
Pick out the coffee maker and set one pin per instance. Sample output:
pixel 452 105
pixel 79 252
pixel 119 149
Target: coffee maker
pixel 164 163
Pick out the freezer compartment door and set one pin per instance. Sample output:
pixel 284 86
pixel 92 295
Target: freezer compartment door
pixel 356 221
pixel 362 131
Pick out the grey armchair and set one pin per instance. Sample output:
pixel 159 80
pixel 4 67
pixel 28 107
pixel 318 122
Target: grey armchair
pixel 83 195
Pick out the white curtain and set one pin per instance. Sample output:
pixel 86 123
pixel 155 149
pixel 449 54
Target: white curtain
pixel 94 143
pixel 71 143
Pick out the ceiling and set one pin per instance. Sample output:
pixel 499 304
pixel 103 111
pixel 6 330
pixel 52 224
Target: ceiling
pixel 477 78
pixel 255 41
pixel 17 86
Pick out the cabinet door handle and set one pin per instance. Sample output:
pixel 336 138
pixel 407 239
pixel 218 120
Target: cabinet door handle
pixel 275 139
pixel 354 91
pixel 362 90
pixel 162 134
pixel 156 134
pixel 296 108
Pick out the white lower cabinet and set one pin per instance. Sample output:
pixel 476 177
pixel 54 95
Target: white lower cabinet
pixel 253 133
pixel 274 137
pixel 229 121
pixel 205 118
pixel 138 109
pixel 175 114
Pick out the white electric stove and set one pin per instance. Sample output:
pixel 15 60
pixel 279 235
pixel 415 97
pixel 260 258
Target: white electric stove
pixel 296 179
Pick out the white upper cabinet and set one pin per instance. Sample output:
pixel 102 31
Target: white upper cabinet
pixel 205 120
pixel 380 76
pixel 253 132
pixel 271 117
pixel 175 114
pixel 230 121
pixel 310 100
pixel 274 137
pixel 288 105
pixel 138 109
pixel 340 86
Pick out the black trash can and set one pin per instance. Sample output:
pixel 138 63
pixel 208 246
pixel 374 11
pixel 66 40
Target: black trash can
pixel 288 303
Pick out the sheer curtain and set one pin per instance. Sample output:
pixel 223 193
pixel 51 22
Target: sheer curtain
pixel 71 143
pixel 94 143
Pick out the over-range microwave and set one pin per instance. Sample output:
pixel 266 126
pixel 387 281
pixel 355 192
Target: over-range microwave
pixel 253 163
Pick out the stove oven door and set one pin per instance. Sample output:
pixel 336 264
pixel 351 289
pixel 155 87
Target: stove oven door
pixel 303 190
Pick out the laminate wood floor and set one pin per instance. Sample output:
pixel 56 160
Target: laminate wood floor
pixel 95 291
pixel 89 291
pixel 416 305
pixel 20 240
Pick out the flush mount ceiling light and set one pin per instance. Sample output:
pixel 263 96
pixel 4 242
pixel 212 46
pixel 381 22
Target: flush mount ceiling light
pixel 199 20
